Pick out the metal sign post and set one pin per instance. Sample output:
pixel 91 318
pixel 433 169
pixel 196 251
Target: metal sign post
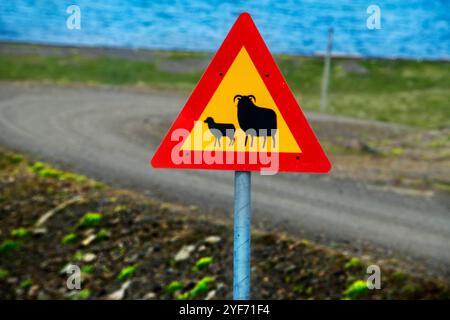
pixel 241 245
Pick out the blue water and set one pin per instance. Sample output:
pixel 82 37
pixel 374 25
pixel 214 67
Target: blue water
pixel 409 28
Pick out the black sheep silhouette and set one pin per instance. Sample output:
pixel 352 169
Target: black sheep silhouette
pixel 254 120
pixel 219 130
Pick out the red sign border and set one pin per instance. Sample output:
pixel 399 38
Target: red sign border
pixel 244 33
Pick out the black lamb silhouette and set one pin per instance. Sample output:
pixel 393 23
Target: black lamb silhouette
pixel 219 130
pixel 254 120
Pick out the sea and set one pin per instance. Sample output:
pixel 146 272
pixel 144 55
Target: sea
pixel 411 29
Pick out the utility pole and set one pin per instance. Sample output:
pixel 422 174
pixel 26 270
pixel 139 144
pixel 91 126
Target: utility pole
pixel 326 73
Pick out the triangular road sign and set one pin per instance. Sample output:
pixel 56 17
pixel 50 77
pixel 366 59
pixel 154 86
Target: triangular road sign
pixel 242 115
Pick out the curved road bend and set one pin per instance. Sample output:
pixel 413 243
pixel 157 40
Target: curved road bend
pixel 110 134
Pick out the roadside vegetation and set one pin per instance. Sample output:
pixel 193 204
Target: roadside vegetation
pixel 408 160
pixel 129 246
pixel 415 93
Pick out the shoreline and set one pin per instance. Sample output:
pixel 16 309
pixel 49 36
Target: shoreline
pixel 123 51
pixel 395 91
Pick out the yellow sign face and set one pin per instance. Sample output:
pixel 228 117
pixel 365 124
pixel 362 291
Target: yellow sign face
pixel 241 79
pixel 242 116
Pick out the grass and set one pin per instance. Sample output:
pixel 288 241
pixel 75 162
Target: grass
pixel 174 286
pixel 20 232
pixel 406 92
pixel 69 238
pixel 25 284
pixel 79 294
pixel 8 246
pixel 3 274
pixel 43 170
pixel 356 289
pixel 201 287
pixel 103 234
pixel 202 263
pixel 101 70
pixel 90 219
pixel 127 272
pixel 78 256
pixel 353 263
pixel 87 269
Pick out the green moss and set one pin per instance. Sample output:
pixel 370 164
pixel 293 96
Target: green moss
pixel 409 289
pixel 90 219
pixel 25 284
pixel 174 286
pixel 353 263
pixel 103 234
pixel 442 185
pixel 307 243
pixel 299 288
pixel 126 272
pixel 120 208
pixel 45 171
pixel 20 232
pixel 397 151
pixel 399 276
pixel 79 294
pixel 8 159
pixel 9 245
pixel 439 143
pixel 202 263
pixel 3 274
pixel 183 296
pixel 97 185
pixel 87 269
pixel 69 238
pixel 84 294
pixel 16 158
pixel 356 289
pixel 78 256
pixel 201 287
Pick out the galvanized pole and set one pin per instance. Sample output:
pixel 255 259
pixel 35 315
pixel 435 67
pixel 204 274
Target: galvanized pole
pixel 326 73
pixel 242 221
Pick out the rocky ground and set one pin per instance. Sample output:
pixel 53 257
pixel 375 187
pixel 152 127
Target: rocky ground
pixel 405 159
pixel 129 246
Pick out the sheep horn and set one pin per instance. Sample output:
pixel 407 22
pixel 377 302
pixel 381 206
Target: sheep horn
pixel 237 96
pixel 252 97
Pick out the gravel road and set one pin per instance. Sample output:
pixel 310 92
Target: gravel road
pixel 110 134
